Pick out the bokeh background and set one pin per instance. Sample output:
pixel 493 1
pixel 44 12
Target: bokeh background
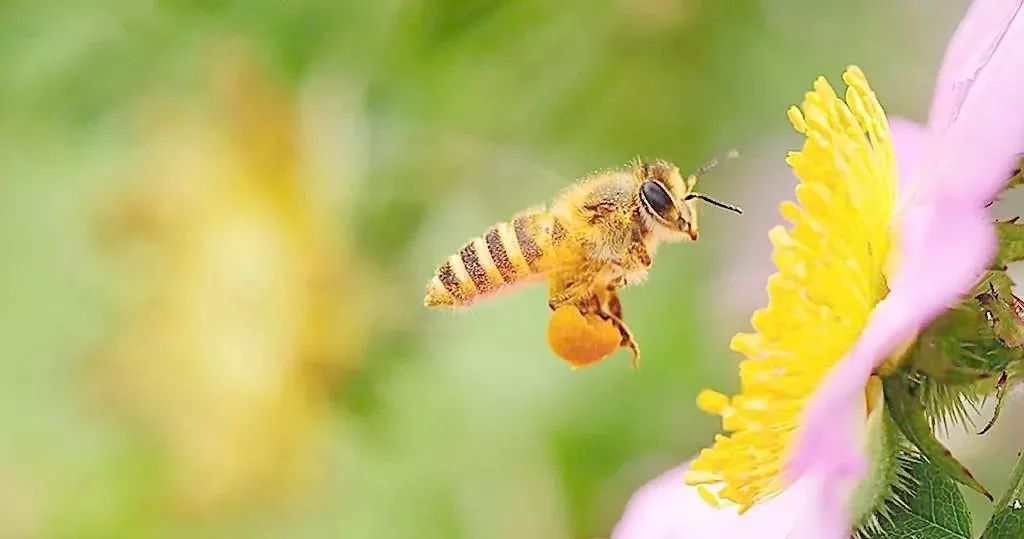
pixel 217 219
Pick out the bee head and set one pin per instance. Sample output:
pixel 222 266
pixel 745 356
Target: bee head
pixel 670 202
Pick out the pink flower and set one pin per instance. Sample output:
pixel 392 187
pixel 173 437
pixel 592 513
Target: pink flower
pixel 665 509
pixel 897 231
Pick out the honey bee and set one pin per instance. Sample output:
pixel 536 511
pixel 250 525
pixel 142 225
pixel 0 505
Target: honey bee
pixel 600 234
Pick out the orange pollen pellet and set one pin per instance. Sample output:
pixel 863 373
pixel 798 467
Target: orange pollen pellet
pixel 581 340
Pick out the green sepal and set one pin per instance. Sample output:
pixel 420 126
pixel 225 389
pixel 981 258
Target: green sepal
pixel 904 405
pixel 1011 242
pixel 1011 233
pixel 1008 520
pixel 929 507
pixel 1018 177
pixel 868 501
pixel 975 340
pixel 1001 386
pixel 999 308
pixel 959 356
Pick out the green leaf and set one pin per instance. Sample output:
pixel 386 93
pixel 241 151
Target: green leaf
pixel 932 508
pixel 1008 520
pixel 905 408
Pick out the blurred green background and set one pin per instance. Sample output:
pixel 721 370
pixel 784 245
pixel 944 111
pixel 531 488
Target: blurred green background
pixel 217 219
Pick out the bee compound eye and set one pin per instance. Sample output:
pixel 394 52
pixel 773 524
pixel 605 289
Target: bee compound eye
pixel 656 198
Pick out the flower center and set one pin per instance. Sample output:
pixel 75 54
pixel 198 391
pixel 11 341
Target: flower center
pixel 831 274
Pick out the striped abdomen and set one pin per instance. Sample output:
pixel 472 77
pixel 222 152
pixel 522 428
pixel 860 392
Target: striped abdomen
pixel 506 254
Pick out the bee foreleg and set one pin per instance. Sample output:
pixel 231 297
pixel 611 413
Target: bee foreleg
pixel 639 255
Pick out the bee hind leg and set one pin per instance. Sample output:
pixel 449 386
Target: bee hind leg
pixel 611 310
pixel 570 295
pixel 627 336
pixel 615 306
pixel 602 301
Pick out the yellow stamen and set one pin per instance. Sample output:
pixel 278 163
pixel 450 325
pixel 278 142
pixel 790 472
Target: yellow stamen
pixel 712 402
pixel 831 275
pixel 707 496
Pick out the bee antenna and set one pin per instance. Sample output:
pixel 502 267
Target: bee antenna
pixel 715 161
pixel 713 202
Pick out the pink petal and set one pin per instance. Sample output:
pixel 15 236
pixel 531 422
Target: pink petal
pixel 945 248
pixel 666 508
pixel 908 140
pixel 977 123
pixel 973 42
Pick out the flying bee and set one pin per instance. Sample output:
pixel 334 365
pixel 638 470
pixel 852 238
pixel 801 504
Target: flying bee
pixel 600 234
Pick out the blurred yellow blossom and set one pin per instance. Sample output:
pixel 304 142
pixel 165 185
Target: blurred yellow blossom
pixel 243 318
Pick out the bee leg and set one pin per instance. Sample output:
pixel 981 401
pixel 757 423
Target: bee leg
pixel 611 310
pixel 615 306
pixel 600 300
pixel 638 253
pixel 570 295
pixel 627 336
pixel 573 289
